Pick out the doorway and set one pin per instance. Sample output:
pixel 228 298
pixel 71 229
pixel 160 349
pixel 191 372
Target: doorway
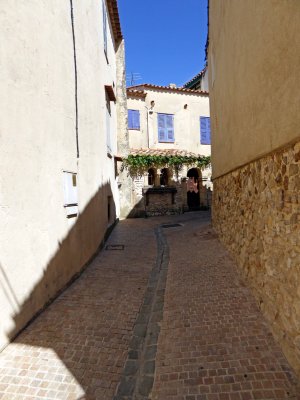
pixel 193 195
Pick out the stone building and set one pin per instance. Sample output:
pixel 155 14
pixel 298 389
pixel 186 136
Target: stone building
pixel 254 75
pixel 62 73
pixel 169 121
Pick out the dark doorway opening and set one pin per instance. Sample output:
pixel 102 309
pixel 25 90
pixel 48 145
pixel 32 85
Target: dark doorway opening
pixel 193 195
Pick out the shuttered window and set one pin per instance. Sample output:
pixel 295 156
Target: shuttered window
pixel 133 119
pixel 205 130
pixel 165 127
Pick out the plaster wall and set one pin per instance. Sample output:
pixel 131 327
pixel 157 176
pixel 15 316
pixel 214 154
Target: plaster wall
pixel 40 248
pixel 186 121
pixel 254 56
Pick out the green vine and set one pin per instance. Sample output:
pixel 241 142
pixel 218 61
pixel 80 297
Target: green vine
pixel 138 165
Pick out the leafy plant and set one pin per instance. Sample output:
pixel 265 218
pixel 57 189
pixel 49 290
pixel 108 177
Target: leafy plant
pixel 138 165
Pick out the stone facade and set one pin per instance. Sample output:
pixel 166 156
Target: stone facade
pixel 256 213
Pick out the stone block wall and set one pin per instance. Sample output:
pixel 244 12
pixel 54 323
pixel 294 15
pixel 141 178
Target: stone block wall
pixel 162 201
pixel 256 212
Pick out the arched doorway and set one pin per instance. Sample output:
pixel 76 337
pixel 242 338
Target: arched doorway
pixel 193 195
pixel 164 177
pixel 151 177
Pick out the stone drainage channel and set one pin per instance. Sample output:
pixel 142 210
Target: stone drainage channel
pixel 138 375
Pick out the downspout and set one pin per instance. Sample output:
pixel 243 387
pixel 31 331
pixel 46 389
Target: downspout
pixel 148 139
pixel 75 77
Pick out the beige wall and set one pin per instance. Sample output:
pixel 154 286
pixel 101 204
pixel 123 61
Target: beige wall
pixel 254 57
pixel 186 121
pixel 40 248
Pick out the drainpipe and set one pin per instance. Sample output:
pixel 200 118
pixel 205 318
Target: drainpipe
pixel 148 139
pixel 149 111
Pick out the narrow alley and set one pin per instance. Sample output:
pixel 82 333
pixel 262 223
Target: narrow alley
pixel 160 313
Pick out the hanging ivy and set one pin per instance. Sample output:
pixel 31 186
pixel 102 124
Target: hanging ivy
pixel 138 165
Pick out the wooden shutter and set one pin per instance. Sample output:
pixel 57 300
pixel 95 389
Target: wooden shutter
pixel 205 130
pixel 135 119
pixel 165 128
pixel 130 119
pixel 170 127
pixel 161 127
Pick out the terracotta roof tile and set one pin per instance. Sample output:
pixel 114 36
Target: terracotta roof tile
pixel 195 77
pixel 136 93
pixel 171 89
pixel 114 19
pixel 162 152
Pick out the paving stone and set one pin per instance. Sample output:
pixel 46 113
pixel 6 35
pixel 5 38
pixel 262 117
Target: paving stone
pixel 150 352
pixel 149 367
pixel 211 343
pixel 214 344
pixel 77 348
pixel 131 367
pixel 146 385
pixel 140 330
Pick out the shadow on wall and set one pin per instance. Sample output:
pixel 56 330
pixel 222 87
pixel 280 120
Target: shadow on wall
pixel 85 237
pixel 84 336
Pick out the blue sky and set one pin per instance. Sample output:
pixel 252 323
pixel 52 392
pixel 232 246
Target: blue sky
pixel 164 39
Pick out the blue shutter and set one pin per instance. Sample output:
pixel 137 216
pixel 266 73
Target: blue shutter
pixel 133 119
pixel 205 130
pixel 136 119
pixel 161 127
pixel 130 119
pixel 165 128
pixel 208 130
pixel 170 128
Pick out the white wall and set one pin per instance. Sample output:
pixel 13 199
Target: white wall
pixel 40 249
pixel 186 121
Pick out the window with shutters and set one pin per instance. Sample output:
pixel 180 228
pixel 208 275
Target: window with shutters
pixel 165 128
pixel 134 119
pixel 205 130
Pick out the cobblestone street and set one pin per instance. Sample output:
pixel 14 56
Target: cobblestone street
pixel 165 317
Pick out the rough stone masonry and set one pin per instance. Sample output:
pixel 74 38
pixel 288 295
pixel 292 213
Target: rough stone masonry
pixel 256 212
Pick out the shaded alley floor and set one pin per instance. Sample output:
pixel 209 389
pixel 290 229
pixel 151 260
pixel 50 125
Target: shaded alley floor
pixel 167 317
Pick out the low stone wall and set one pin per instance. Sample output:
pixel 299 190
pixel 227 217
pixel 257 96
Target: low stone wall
pixel 256 212
pixel 162 201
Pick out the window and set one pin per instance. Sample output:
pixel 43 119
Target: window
pixel 205 130
pixel 70 194
pixel 104 21
pixel 134 119
pixel 165 128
